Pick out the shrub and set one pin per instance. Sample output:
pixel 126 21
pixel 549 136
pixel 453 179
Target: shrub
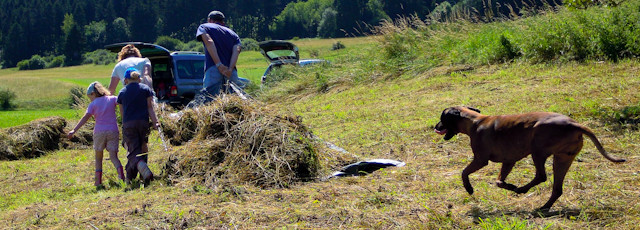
pixel 23 65
pixel 250 44
pixel 99 57
pixel 6 99
pixel 192 46
pixel 57 61
pixel 169 42
pixel 338 45
pixel 35 62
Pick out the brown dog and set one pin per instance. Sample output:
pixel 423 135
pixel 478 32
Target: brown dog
pixel 509 138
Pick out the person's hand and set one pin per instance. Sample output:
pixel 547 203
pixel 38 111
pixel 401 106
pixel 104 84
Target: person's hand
pixel 228 72
pixel 222 69
pixel 70 134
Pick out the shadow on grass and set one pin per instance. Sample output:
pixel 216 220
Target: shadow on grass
pixel 627 117
pixel 568 213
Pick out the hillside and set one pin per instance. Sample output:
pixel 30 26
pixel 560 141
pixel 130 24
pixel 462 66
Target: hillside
pixel 377 105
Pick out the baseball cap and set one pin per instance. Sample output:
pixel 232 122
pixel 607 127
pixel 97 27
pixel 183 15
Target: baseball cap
pixel 127 73
pixel 216 15
pixel 91 88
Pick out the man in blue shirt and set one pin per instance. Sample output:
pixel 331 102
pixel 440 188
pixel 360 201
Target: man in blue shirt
pixel 222 48
pixel 136 107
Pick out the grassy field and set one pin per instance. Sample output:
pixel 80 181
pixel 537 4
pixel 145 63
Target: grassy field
pixel 46 92
pixel 374 110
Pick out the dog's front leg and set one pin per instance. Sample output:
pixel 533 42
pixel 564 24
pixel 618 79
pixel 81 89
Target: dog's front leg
pixel 475 165
pixel 504 172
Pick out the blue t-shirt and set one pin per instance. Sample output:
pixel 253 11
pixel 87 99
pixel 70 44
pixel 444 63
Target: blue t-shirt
pixel 224 39
pixel 133 98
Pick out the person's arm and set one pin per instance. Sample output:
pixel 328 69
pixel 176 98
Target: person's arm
pixel 234 59
pixel 121 111
pixel 147 74
pixel 113 84
pixel 152 113
pixel 82 121
pixel 213 52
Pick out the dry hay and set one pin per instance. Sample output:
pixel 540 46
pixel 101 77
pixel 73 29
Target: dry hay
pixel 237 141
pixel 82 139
pixel 32 139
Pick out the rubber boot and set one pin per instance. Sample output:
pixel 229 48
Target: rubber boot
pixel 144 170
pixel 120 173
pixel 98 180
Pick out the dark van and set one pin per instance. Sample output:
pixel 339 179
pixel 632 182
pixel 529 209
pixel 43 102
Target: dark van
pixel 177 76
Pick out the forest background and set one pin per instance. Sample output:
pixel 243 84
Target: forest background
pixel 36 34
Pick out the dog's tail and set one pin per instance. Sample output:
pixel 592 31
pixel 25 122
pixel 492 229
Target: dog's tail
pixel 589 133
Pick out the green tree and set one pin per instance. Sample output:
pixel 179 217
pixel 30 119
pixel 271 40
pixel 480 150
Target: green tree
pixel 96 34
pixel 12 49
pixel 143 18
pixel 118 31
pixel 73 41
pixel 300 19
pixel 375 12
pixel 350 13
pixel 328 26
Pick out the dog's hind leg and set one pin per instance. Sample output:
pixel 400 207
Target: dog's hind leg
pixel 471 168
pixel 539 158
pixel 561 165
pixel 504 172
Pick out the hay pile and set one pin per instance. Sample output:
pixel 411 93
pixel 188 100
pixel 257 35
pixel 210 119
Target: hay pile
pixel 236 141
pixel 31 140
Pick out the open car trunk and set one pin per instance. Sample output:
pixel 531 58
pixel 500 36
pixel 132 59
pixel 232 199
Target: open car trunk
pixel 280 52
pixel 161 66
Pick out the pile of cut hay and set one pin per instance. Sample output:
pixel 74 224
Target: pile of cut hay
pixel 31 140
pixel 237 141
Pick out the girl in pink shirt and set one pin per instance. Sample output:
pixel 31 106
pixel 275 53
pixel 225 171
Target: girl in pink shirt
pixel 105 132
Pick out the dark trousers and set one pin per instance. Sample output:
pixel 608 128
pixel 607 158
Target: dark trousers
pixel 134 133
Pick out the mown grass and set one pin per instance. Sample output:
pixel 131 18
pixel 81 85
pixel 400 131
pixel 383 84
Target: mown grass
pixel 391 119
pixel 46 92
pixel 376 107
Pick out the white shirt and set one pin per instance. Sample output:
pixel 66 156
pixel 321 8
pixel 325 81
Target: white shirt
pixel 135 62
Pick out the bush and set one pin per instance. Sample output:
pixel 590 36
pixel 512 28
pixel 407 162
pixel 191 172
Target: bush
pixel 23 65
pixel 168 42
pixel 338 45
pixel 36 62
pixel 99 57
pixel 192 46
pixel 6 99
pixel 57 61
pixel 250 44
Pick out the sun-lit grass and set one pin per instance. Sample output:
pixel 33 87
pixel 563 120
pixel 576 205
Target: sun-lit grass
pixel 13 118
pixel 374 109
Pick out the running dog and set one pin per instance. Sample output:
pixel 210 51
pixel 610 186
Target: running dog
pixel 510 138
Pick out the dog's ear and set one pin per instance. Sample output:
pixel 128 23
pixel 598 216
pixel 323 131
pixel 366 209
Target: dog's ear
pixel 450 115
pixel 473 109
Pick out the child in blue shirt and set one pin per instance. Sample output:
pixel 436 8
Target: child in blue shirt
pixel 136 107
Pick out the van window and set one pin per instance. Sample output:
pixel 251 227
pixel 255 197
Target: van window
pixel 160 67
pixel 190 69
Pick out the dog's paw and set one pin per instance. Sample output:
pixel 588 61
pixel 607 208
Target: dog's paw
pixel 505 185
pixel 521 190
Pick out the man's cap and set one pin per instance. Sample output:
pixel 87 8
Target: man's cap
pixel 216 15
pixel 91 88
pixel 127 73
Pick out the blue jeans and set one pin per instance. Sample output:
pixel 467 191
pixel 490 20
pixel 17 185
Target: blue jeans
pixel 214 82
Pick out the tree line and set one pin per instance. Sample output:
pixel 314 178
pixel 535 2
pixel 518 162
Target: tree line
pixel 66 29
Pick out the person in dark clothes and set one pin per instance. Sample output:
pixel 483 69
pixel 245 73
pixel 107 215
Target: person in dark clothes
pixel 136 107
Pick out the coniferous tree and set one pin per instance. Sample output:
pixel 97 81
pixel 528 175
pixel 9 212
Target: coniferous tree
pixel 73 41
pixel 14 43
